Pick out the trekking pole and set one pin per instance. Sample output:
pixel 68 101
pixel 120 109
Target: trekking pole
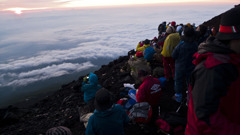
pixel 180 106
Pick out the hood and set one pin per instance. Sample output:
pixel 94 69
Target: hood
pixel 105 113
pixel 213 45
pixel 93 79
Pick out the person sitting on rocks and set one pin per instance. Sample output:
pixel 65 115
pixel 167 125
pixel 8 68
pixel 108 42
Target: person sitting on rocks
pixel 90 86
pixel 149 53
pixel 61 130
pixel 108 118
pixel 137 64
pixel 150 89
pixel 146 44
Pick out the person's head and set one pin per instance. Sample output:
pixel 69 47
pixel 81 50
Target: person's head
pixel 173 23
pixel 142 74
pixel 229 32
pixel 189 34
pixel 146 42
pixel 179 28
pixel 103 100
pixel 202 29
pixel 189 25
pixel 61 130
pixel 170 30
pixel 93 79
pixel 155 39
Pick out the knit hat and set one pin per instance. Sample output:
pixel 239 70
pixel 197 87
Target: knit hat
pixel 173 23
pixel 230 25
pixel 146 41
pixel 188 24
pixel 170 29
pixel 139 54
pixel 61 130
pixel 189 34
pixel 103 100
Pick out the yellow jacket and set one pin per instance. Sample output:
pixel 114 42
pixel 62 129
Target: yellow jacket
pixel 142 48
pixel 170 43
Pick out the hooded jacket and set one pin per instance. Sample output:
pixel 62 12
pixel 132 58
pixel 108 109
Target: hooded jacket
pixel 150 91
pixel 183 55
pixel 170 43
pixel 109 122
pixel 149 52
pixel 214 104
pixel 139 48
pixel 90 88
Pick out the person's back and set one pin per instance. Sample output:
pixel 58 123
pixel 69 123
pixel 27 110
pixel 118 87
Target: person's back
pixel 107 119
pixel 170 43
pixel 183 56
pixel 183 53
pixel 149 52
pixel 150 91
pixel 215 91
pixel 109 122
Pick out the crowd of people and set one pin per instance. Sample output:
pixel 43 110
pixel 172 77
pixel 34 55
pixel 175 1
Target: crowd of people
pixel 202 62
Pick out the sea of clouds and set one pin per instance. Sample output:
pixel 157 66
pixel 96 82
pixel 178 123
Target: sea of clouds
pixel 39 46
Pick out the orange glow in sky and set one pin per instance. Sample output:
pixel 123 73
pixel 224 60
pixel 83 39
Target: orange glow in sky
pixel 18 6
pixel 18 11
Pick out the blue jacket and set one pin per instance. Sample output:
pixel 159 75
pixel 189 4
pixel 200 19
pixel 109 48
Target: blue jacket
pixel 149 52
pixel 91 88
pixel 183 55
pixel 109 122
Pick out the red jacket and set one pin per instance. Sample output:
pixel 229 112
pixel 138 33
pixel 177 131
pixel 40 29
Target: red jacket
pixel 149 91
pixel 214 105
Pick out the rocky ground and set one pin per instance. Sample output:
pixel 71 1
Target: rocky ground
pixel 62 107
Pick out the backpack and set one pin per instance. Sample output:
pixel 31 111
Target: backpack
pixel 141 112
pixel 172 123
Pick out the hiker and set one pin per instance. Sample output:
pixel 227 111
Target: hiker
pixel 213 31
pixel 215 91
pixel 203 33
pixel 149 53
pixel 60 130
pixel 162 28
pixel 179 29
pixel 170 43
pixel 108 118
pixel 182 55
pixel 162 38
pixel 173 24
pixel 145 44
pixel 137 64
pixel 150 89
pixel 90 86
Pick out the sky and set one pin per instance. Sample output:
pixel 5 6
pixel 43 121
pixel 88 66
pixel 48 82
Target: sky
pixel 18 6
pixel 39 49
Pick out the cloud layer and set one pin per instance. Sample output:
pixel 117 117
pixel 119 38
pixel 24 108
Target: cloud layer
pixel 33 44
pixel 24 78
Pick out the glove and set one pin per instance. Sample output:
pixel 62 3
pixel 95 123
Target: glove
pixel 85 79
